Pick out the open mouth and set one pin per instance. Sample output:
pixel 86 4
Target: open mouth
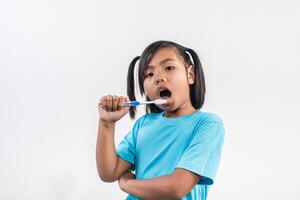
pixel 165 93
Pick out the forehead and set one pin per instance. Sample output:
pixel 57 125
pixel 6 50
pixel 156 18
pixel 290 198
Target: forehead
pixel 166 54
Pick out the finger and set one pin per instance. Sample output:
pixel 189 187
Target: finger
pixel 120 104
pixel 115 102
pixel 127 98
pixel 102 102
pixel 100 106
pixel 109 103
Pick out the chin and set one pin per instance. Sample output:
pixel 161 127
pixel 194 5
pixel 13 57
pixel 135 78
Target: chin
pixel 168 108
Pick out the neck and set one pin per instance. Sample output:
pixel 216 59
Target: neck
pixel 181 111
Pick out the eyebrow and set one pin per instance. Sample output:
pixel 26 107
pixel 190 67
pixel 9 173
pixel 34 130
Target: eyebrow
pixel 161 62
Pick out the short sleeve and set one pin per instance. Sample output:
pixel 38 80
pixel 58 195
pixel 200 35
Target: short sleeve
pixel 126 149
pixel 202 156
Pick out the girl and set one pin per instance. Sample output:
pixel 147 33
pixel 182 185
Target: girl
pixel 174 148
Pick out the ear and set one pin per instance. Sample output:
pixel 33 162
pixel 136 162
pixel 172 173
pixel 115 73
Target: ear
pixel 191 74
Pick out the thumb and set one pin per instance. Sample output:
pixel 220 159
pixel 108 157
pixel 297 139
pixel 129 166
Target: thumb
pixel 127 98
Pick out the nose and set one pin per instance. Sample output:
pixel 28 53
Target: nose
pixel 159 79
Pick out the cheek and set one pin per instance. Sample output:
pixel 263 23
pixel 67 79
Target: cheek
pixel 182 85
pixel 147 88
pixel 180 80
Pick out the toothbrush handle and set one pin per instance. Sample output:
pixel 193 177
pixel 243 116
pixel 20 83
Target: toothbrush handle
pixel 131 103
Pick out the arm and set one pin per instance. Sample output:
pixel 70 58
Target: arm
pixel 109 165
pixel 174 186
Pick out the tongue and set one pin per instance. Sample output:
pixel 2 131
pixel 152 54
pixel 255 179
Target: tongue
pixel 165 94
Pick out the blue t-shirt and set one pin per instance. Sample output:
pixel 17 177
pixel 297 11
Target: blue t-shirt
pixel 157 145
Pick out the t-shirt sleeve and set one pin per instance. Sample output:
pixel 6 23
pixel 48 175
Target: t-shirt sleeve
pixel 126 149
pixel 202 156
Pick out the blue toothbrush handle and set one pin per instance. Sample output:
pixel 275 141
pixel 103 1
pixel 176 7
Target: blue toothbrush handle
pixel 131 103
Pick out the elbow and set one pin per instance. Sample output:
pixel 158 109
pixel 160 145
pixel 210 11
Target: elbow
pixel 177 194
pixel 106 177
pixel 176 191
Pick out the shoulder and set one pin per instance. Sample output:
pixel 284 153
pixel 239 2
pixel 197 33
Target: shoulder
pixel 208 117
pixel 210 123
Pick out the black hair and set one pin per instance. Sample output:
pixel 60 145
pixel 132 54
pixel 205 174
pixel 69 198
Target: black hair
pixel 190 57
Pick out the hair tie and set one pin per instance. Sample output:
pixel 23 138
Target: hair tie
pixel 190 56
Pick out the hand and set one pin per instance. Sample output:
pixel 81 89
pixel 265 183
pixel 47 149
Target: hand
pixel 128 175
pixel 111 108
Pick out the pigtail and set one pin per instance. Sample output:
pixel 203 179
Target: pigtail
pixel 130 86
pixel 198 89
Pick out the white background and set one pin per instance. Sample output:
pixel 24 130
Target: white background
pixel 58 57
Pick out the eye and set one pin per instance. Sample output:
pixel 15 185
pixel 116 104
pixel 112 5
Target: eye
pixel 148 75
pixel 169 68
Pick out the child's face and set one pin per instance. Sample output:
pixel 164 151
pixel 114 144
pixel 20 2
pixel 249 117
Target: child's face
pixel 167 70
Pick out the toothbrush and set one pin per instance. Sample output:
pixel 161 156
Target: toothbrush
pixel 137 103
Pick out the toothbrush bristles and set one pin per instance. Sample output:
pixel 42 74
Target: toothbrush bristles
pixel 160 101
